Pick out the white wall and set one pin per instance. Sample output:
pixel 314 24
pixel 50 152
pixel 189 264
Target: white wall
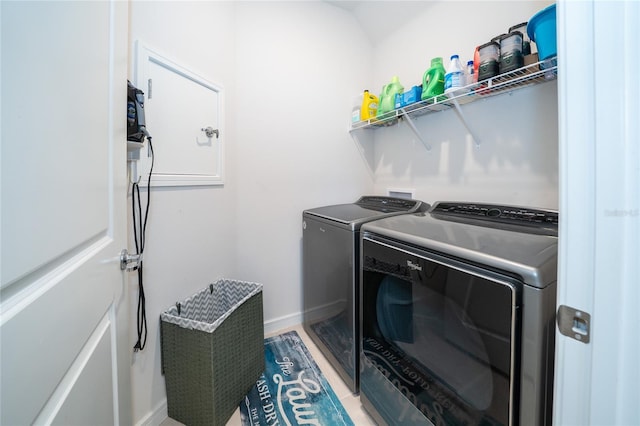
pixel 191 232
pixel 298 65
pixel 289 71
pixel 517 160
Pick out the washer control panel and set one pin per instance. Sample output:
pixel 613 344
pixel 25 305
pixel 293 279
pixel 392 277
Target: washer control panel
pixel 390 204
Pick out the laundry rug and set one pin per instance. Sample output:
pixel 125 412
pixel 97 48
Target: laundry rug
pixel 292 390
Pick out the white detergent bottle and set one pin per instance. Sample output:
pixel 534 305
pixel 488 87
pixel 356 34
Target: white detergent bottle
pixel 454 78
pixel 469 75
pixel 355 111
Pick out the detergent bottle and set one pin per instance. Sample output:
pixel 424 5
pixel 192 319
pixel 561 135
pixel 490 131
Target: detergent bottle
pixel 453 79
pixel 357 106
pixel 388 96
pixel 369 106
pixel 433 80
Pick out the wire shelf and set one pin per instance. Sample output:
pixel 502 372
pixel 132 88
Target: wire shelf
pixel 536 73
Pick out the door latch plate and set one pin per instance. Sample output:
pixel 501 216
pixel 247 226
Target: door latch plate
pixel 574 323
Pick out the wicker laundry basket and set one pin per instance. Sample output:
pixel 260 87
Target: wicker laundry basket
pixel 212 351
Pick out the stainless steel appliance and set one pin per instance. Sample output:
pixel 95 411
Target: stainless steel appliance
pixel 458 309
pixel 331 253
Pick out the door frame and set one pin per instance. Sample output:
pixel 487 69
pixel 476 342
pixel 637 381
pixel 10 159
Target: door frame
pixel 597 382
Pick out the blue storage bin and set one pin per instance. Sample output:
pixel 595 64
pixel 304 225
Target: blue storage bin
pixel 542 30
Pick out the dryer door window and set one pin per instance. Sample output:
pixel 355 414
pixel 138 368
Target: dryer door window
pixel 441 332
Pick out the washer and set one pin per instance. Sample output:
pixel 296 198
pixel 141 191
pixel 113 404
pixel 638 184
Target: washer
pixel 331 241
pixel 458 316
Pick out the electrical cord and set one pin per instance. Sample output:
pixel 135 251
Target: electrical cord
pixel 140 225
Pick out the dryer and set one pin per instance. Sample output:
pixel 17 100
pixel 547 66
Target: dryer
pixel 458 316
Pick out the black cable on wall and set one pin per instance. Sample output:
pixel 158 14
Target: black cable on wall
pixel 139 232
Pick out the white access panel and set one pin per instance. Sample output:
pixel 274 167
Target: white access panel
pixel 184 118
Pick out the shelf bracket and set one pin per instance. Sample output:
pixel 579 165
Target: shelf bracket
pixel 415 130
pixel 460 114
pixel 368 158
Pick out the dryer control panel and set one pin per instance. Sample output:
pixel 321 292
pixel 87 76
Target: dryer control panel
pixel 526 219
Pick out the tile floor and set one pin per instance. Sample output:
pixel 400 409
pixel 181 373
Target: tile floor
pixel 350 402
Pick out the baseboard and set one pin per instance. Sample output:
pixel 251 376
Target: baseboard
pixel 323 312
pixel 283 322
pixel 155 417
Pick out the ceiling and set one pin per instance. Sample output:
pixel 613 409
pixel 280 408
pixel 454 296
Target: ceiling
pixel 379 18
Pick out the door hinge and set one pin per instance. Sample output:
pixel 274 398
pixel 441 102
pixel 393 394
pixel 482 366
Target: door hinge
pixel 574 323
pixel 129 262
pixel 149 87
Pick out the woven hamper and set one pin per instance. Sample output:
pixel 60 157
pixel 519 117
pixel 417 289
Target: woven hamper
pixel 212 351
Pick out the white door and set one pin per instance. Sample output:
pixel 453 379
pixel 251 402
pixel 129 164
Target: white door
pixel 598 382
pixel 65 347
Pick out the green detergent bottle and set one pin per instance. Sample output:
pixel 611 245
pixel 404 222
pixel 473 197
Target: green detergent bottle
pixel 433 80
pixel 388 96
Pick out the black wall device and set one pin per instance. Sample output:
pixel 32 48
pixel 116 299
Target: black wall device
pixel 136 127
